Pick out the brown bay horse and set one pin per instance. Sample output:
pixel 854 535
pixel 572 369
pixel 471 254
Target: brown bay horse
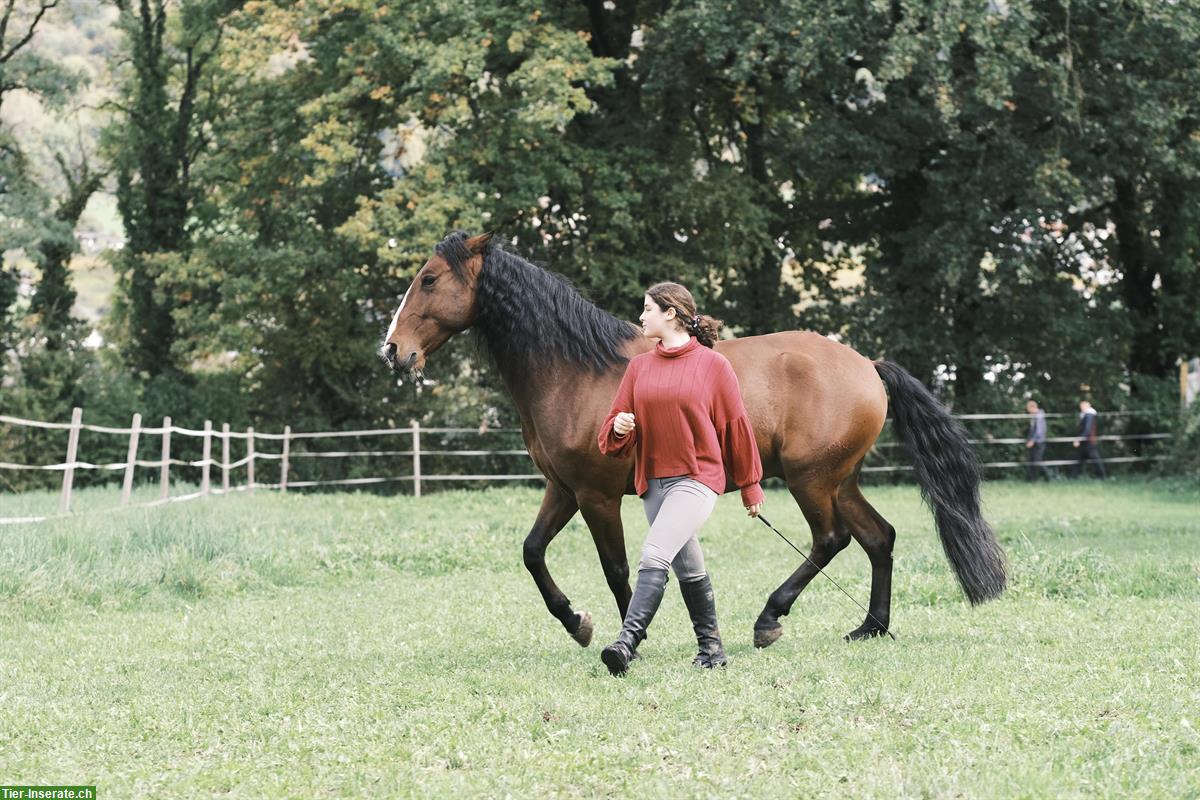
pixel 816 407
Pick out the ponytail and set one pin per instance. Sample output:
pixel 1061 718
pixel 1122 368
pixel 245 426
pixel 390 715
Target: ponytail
pixel 704 328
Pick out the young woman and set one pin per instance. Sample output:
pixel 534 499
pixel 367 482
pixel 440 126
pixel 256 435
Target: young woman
pixel 681 406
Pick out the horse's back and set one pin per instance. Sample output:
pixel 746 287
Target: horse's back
pixel 815 404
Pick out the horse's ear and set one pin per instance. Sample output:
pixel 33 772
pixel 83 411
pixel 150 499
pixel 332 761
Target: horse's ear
pixel 477 244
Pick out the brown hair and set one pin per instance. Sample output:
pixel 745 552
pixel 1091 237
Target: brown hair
pixel 672 295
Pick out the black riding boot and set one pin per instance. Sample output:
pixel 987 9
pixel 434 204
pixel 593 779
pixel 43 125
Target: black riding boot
pixel 698 597
pixel 647 594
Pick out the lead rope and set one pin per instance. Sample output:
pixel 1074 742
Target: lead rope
pixel 831 580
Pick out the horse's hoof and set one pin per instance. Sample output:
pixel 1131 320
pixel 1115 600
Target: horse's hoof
pixel 583 634
pixel 864 632
pixel 765 637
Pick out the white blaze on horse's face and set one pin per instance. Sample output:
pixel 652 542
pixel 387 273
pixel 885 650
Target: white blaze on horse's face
pixel 396 318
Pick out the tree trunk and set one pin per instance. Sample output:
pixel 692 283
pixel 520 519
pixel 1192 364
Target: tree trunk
pixel 764 278
pixel 1138 271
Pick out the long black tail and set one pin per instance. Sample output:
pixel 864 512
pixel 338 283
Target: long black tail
pixel 948 474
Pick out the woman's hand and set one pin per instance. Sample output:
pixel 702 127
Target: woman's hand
pixel 754 509
pixel 623 423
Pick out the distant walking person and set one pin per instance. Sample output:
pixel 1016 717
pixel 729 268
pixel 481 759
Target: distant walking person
pixel 1035 443
pixel 1087 441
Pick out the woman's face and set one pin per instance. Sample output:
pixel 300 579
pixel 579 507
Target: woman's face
pixel 656 322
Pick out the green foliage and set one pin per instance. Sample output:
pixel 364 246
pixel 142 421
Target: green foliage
pixel 42 362
pixel 23 202
pixel 153 148
pixel 1000 196
pixel 1185 461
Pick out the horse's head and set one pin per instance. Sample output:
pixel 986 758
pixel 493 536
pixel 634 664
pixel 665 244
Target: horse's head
pixel 439 303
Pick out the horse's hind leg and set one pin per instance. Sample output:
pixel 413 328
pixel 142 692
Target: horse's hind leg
pixel 877 536
pixel 558 506
pixel 829 538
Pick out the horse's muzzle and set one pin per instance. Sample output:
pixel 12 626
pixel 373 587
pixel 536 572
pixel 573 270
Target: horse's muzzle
pixel 388 353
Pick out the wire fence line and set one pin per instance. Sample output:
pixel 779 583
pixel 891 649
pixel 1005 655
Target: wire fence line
pixel 285 456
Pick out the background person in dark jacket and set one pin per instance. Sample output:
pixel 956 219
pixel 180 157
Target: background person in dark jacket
pixel 1087 441
pixel 1035 443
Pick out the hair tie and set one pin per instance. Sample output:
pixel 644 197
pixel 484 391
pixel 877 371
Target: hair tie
pixel 696 321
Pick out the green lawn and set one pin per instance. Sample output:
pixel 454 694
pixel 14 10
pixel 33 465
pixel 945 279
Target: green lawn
pixel 349 645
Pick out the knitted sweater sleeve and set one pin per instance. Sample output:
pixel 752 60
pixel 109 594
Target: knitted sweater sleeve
pixel 611 444
pixel 739 450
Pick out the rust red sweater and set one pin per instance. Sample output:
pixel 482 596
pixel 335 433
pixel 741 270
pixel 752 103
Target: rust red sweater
pixel 690 421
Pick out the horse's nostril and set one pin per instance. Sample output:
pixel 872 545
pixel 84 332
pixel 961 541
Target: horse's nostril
pixel 389 351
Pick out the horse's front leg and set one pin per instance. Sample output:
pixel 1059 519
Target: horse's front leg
pixel 558 506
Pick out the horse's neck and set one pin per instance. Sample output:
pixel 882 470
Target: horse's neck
pixel 559 403
pixel 531 392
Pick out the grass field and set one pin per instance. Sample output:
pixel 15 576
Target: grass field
pixel 349 645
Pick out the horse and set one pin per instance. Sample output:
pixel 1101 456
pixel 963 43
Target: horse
pixel 816 406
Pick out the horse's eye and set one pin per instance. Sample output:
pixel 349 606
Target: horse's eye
pixel 428 280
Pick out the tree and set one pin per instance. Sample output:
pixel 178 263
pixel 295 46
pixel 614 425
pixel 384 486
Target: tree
pixel 153 148
pixel 929 183
pixel 22 201
pixel 52 301
pixel 1131 105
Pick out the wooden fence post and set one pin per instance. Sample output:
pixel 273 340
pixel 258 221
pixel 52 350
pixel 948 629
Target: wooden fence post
pixel 250 460
pixel 225 457
pixel 283 464
pixel 416 432
pixel 131 458
pixel 206 457
pixel 69 472
pixel 1183 384
pixel 164 475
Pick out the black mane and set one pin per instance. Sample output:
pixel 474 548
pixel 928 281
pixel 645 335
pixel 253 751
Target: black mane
pixel 530 317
